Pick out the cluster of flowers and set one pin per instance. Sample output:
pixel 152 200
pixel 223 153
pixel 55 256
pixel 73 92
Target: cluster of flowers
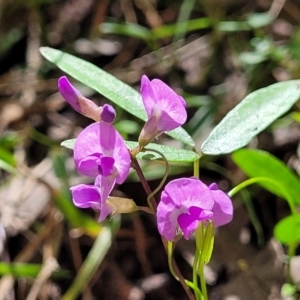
pixel 101 153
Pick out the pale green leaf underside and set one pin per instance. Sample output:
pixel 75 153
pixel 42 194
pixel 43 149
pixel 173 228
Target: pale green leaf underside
pixel 107 85
pixel 256 163
pixel 171 154
pixel 258 110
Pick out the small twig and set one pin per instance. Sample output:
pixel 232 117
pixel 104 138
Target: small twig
pixel 48 268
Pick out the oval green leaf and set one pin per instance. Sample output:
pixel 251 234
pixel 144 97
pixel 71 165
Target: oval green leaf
pixel 287 231
pixel 171 154
pixel 258 110
pixel 107 85
pixel 257 163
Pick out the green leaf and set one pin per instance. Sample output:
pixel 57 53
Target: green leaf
pixel 127 127
pixel 7 167
pixel 287 231
pixel 288 290
pixel 27 270
pixel 69 144
pixel 171 154
pixel 186 26
pixel 257 111
pixel 7 160
pixel 256 163
pixel 256 20
pixel 143 33
pixel 107 85
pixel 232 26
pixel 127 29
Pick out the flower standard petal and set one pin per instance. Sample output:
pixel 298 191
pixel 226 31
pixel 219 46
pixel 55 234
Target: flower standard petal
pixel 171 105
pixel 188 192
pixel 165 109
pixel 148 97
pixel 223 208
pixel 183 196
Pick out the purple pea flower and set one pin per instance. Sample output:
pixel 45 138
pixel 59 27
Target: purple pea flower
pixel 165 109
pixel 100 150
pixel 83 105
pixel 94 196
pixel 186 201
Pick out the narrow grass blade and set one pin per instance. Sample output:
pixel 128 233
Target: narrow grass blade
pixel 93 260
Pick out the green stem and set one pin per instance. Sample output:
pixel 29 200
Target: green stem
pixel 291 253
pixel 250 181
pixel 201 241
pixel 195 276
pixel 177 274
pixel 170 259
pixel 197 168
pixel 202 282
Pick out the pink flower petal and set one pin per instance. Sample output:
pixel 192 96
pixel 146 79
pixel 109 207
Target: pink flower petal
pixel 68 91
pixel 89 165
pixel 165 109
pixel 85 196
pixel 223 208
pixel 167 217
pixel 108 113
pixel 189 192
pixel 107 166
pixel 87 144
pixel 106 184
pixel 177 198
pixel 148 96
pixel 188 222
pixel 102 139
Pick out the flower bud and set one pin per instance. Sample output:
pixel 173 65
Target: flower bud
pixel 81 104
pixel 108 113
